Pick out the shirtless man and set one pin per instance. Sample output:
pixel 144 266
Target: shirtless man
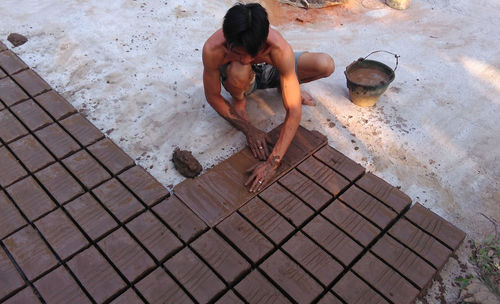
pixel 245 55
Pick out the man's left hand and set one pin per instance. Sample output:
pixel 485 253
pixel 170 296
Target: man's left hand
pixel 262 173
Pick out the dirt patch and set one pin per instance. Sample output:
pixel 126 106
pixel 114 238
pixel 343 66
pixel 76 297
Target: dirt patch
pixel 185 163
pixel 17 39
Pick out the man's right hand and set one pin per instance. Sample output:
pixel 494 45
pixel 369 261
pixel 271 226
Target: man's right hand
pixel 257 141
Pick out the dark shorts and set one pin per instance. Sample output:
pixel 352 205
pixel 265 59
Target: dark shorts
pixel 266 75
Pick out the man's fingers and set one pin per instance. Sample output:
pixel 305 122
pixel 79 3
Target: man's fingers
pixel 254 151
pixel 249 180
pixel 256 184
pixel 252 168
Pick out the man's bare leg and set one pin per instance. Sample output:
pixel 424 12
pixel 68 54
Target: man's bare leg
pixel 239 77
pixel 313 66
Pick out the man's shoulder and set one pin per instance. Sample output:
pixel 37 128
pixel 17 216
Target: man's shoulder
pixel 213 49
pixel 278 43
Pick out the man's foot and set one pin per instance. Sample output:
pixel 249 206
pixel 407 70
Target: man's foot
pixel 307 99
pixel 240 107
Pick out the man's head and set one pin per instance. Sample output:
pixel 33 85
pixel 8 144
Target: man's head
pixel 246 26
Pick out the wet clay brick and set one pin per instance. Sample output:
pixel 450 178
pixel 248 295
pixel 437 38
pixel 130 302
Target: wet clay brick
pixel 351 222
pixel 404 260
pixel 368 206
pixel 57 141
pixel 31 115
pixel 30 252
pixel 10 218
pixel 11 63
pixel 319 263
pixel 85 132
pixel 339 244
pixel 180 218
pixel 11 169
pixel 3 47
pixel 329 298
pixel 220 255
pixel 126 254
pixel 340 163
pixel 385 280
pixel 86 169
pixel 289 276
pixel 10 92
pixel 245 237
pixel 255 288
pixel 306 189
pixel 61 233
pixel 111 156
pixel 118 200
pixel 158 287
pixel 436 226
pixel 10 128
pixel 2 74
pixel 353 290
pixel 55 104
pixel 154 235
pixel 96 274
pixel 229 298
pixel 420 242
pixel 146 187
pixel 59 287
pixel 324 176
pixel 195 276
pixel 389 195
pixel 31 82
pixel 10 280
pixel 267 220
pixel 128 297
pixel 59 183
pixel 31 153
pixel 24 296
pixel 30 198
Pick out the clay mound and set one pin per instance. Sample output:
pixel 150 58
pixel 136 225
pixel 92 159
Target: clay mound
pixel 17 39
pixel 313 3
pixel 185 163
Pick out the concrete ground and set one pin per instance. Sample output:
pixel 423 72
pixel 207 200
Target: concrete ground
pixel 134 68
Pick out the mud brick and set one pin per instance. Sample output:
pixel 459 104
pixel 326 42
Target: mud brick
pixel 329 298
pixel 420 242
pixel 118 200
pixel 59 183
pixel 319 263
pixel 55 104
pixel 10 218
pixel 11 63
pixel 353 290
pixel 31 82
pixel 389 195
pixel 368 206
pixel 128 297
pixel 287 204
pixel 255 288
pixel 158 287
pixel 404 260
pixel 154 235
pixel 57 141
pixel 339 244
pixel 31 153
pixel 111 156
pixel 10 280
pixel 96 274
pixel 306 189
pixel 10 128
pixel 85 132
pixel 195 276
pixel 61 233
pixel 229 298
pixel 323 175
pixel 221 256
pixel 289 276
pixel 245 237
pixel 3 47
pixel 86 169
pixel 31 115
pixel 2 74
pixel 10 92
pixel 266 219
pixel 30 198
pixel 340 163
pixel 126 254
pixel 59 287
pixel 436 226
pixel 30 252
pixel 180 218
pixel 24 296
pixel 11 169
pixel 351 222
pixel 146 187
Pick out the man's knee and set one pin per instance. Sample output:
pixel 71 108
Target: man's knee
pixel 239 75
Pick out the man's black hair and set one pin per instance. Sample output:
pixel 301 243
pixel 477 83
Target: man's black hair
pixel 247 26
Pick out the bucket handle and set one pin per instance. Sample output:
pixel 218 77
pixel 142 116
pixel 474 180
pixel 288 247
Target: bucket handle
pixel 395 55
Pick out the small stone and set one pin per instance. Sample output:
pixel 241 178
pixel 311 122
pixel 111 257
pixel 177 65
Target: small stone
pixel 185 163
pixel 17 39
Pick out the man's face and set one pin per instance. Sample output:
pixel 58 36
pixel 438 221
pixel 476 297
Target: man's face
pixel 242 55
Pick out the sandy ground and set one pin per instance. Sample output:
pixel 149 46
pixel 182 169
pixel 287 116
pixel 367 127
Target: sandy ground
pixel 134 68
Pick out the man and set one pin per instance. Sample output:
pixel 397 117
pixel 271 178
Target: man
pixel 245 55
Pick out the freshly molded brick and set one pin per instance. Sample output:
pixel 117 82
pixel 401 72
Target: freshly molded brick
pixel 86 169
pixel 31 82
pixel 31 153
pixel 10 218
pixel 118 199
pixel 10 280
pixel 59 183
pixel 111 156
pixel 31 198
pixel 57 141
pixel 55 104
pixel 158 287
pixel 10 92
pixel 145 186
pixel 59 287
pixel 11 171
pixel 31 115
pixel 10 128
pixel 85 132
pixel 11 63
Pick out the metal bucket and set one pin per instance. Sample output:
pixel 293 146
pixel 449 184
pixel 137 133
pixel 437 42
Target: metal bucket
pixel 368 79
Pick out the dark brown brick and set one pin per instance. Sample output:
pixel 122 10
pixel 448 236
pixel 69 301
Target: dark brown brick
pixel 86 169
pixel 329 298
pixel 31 82
pixel 128 297
pixel 158 287
pixel 31 198
pixel 55 104
pixel 10 92
pixel 180 218
pixel 10 218
pixel 57 141
pixel 59 287
pixel 30 252
pixel 59 183
pixel 11 171
pixel 11 63
pixel 10 128
pixel 2 74
pixel 126 254
pixel 96 274
pixel 154 235
pixel 194 275
pixel 24 296
pixel 229 298
pixel 85 132
pixel 221 256
pixel 111 156
pixel 340 163
pixel 255 288
pixel 323 175
pixel 31 115
pixel 389 195
pixel 31 153
pixel 306 189
pixel 118 199
pixel 353 290
pixel 10 280
pixel 146 187
pixel 245 237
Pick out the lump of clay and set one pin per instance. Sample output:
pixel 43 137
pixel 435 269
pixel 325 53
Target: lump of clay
pixel 185 163
pixel 17 39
